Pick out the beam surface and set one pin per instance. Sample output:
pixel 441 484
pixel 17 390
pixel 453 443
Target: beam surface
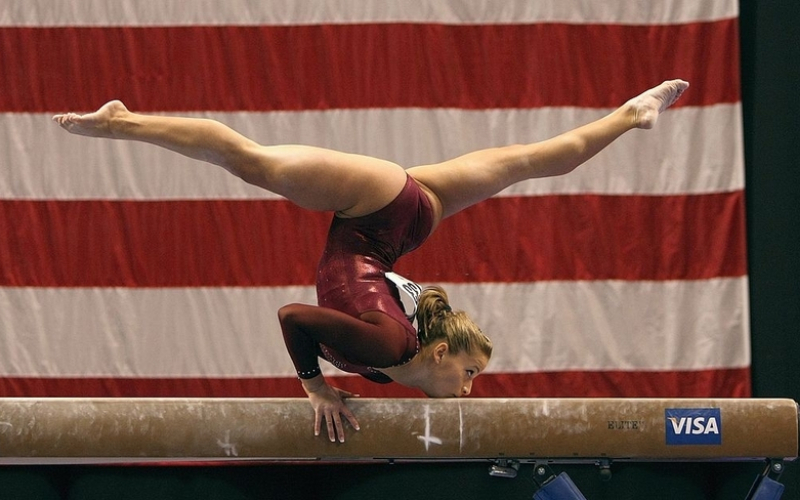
pixel 107 430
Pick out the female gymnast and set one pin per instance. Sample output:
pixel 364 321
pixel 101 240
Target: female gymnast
pixel 382 211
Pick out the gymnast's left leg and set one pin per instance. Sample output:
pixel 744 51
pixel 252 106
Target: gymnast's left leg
pixel 313 178
pixel 476 176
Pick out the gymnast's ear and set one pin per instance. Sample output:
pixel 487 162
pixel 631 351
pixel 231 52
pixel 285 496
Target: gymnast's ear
pixel 439 350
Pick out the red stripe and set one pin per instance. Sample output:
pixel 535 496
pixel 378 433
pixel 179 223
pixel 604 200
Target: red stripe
pixel 734 383
pixel 588 237
pixel 273 243
pixel 722 383
pixel 362 65
pixel 158 244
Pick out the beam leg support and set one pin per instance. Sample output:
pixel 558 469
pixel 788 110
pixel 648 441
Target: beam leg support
pixel 560 487
pixel 552 486
pixel 766 485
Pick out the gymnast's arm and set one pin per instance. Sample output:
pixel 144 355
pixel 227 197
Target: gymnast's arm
pixel 380 343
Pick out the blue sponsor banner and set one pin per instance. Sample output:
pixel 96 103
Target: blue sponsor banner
pixel 693 426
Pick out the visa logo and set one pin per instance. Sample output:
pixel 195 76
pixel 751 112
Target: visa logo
pixel 693 426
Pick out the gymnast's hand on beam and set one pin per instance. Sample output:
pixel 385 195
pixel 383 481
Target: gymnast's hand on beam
pixel 328 402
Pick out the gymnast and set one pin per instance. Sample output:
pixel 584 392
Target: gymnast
pixel 382 211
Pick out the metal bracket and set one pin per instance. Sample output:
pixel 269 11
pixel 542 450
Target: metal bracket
pixel 542 473
pixel 605 469
pixel 504 468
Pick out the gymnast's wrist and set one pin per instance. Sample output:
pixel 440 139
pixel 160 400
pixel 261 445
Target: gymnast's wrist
pixel 314 384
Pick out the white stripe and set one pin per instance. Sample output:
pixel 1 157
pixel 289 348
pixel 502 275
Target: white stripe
pixel 613 325
pixel 288 12
pixel 600 325
pixel 691 150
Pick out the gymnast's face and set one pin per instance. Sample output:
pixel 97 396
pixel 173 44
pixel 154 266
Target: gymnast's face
pixel 452 374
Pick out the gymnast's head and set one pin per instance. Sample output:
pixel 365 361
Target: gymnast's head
pixel 453 348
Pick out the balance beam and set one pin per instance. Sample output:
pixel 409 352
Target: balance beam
pixel 112 430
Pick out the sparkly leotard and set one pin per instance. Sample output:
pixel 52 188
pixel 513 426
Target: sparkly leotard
pixel 351 280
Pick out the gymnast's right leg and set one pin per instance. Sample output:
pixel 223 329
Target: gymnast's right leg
pixel 476 176
pixel 313 178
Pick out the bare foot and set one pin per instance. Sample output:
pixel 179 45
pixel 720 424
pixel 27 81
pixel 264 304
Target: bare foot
pixel 97 124
pixel 647 106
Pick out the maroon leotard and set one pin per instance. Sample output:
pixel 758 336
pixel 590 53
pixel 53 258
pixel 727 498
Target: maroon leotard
pixel 351 282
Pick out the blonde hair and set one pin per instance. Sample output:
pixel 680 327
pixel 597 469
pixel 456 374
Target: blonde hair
pixel 437 321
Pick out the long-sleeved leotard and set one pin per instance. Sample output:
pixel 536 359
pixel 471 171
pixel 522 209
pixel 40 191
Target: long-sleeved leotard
pixel 350 282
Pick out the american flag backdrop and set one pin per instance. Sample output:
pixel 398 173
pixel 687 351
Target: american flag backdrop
pixel 126 270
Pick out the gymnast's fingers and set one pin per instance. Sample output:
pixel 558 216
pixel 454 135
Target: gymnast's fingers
pixel 351 418
pixel 337 419
pixel 331 429
pixel 317 422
